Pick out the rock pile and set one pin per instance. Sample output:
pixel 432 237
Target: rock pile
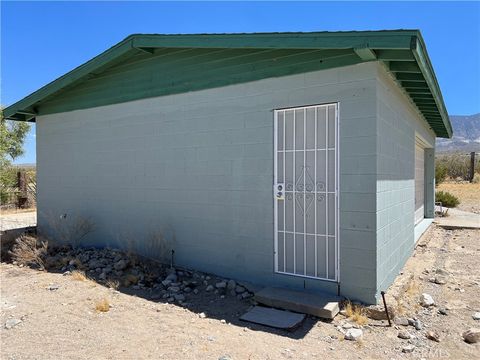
pixel 111 266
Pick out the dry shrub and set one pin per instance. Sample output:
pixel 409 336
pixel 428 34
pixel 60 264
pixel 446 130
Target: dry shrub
pixel 356 313
pixel 400 308
pixel 130 279
pixel 29 251
pixel 102 305
pixel 413 289
pixel 113 284
pixel 71 230
pixel 79 275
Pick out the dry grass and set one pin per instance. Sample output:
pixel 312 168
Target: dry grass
pixel 413 289
pixel 356 313
pixel 29 251
pixel 70 229
pixel 113 284
pixel 102 305
pixel 130 279
pixel 79 275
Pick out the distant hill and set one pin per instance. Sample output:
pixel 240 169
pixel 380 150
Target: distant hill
pixel 466 135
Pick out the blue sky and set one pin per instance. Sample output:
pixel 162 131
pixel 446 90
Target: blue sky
pixel 41 41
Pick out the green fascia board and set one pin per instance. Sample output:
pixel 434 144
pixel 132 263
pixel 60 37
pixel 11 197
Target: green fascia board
pixel 403 51
pixel 420 52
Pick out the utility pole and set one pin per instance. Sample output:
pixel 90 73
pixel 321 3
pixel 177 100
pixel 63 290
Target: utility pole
pixel 472 165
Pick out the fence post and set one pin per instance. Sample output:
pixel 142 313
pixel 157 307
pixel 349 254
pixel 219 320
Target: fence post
pixel 472 165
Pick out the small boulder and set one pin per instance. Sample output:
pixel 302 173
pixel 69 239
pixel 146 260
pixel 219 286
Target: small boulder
pixel 440 280
pixel 172 277
pixel 179 297
pixel 10 323
pixel 209 288
pixel 221 285
pixel 166 283
pixel 443 311
pixel 426 300
pixel 408 349
pixel 418 324
pixel 120 265
pixel 472 336
pixel 432 335
pixel 231 284
pixel 353 334
pixel 404 335
pixel 239 289
pixel 476 316
pixel 401 321
pixel 378 312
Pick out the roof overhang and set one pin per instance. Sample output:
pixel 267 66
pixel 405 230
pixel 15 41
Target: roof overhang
pixel 403 53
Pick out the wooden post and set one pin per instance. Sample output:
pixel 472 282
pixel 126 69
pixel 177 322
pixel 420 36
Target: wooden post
pixel 472 165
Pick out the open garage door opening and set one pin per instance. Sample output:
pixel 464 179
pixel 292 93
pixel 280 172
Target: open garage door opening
pixel 419 182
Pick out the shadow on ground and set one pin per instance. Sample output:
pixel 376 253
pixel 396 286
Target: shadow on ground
pixel 142 277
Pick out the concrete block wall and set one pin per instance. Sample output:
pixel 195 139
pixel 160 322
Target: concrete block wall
pixel 398 124
pixel 198 168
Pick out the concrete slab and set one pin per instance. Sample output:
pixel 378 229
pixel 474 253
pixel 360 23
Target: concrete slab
pixel 18 220
pixel 322 305
pixel 280 319
pixel 458 219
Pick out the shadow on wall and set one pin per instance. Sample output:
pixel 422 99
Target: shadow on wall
pixel 204 294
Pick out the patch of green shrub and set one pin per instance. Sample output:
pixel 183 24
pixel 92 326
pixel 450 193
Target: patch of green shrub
pixel 446 199
pixel 440 173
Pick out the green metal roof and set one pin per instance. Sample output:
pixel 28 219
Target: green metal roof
pixel 145 65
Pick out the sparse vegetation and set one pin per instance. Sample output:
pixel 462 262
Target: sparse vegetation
pixel 356 313
pixel 130 279
pixel 70 229
pixel 102 305
pixel 112 284
pixel 440 173
pixel 455 166
pixel 79 275
pixel 29 251
pixel 447 199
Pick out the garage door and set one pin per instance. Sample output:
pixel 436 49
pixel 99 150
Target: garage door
pixel 419 183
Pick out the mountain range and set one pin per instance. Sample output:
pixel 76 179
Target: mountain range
pixel 466 135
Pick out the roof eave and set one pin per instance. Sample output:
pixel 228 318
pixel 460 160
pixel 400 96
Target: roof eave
pixel 423 60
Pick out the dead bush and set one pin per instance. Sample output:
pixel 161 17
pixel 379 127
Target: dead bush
pixel 70 229
pixel 113 284
pixel 79 275
pixel 29 251
pixel 356 313
pixel 130 279
pixel 102 305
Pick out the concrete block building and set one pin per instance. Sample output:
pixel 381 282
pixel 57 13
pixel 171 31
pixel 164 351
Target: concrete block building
pixel 297 160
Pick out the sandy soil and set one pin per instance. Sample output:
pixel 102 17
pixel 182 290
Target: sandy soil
pixel 468 194
pixel 63 323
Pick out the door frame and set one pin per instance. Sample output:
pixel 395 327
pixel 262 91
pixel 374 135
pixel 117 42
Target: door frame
pixel 337 191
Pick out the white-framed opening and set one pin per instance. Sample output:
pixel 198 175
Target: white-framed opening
pixel 306 178
pixel 419 180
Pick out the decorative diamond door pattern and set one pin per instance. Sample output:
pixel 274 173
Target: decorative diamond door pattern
pixel 305 188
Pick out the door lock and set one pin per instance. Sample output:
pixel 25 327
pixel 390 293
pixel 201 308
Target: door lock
pixel 279 190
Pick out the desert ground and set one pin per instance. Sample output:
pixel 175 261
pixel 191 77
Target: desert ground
pixel 468 194
pixel 57 315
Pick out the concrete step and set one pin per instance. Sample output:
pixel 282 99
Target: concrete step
pixel 280 319
pixel 322 305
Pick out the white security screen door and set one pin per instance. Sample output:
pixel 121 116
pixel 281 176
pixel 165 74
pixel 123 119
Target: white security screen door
pixel 305 191
pixel 419 182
